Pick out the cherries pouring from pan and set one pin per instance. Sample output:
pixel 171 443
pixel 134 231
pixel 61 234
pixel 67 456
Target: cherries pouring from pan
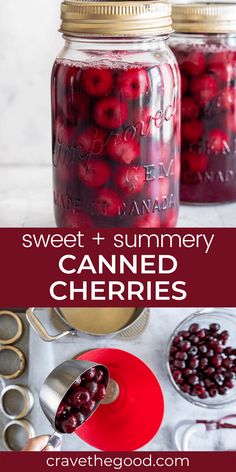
pixel 81 400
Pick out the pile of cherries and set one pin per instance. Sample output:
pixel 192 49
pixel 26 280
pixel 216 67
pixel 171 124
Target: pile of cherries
pixel 208 74
pixel 107 126
pixel 81 400
pixel 200 362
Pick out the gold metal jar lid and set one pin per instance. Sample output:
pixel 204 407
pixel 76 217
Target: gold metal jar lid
pixel 80 17
pixel 204 18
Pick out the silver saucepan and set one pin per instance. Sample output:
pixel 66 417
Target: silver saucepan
pixel 106 322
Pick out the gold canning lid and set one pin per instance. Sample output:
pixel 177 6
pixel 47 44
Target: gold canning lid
pixel 81 17
pixel 204 18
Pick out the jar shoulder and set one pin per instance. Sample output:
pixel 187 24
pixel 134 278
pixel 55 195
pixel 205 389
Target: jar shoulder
pixel 157 53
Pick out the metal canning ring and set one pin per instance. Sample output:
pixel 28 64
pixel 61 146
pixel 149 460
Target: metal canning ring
pixel 11 432
pixel 21 363
pixel 19 326
pixel 16 408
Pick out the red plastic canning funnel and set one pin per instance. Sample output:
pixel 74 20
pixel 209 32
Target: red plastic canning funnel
pixel 134 418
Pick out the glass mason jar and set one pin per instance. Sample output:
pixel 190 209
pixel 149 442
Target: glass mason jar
pixel 115 117
pixel 205 47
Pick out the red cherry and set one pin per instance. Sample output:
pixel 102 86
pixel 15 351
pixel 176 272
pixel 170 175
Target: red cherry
pixel 92 387
pixel 229 384
pixel 75 219
pixel 151 220
pixel 64 135
pixel 194 63
pixel 61 409
pixel 110 112
pixel 80 418
pixel 76 384
pixel 68 425
pixel 67 74
pixel 177 375
pixel 133 83
pixel 79 397
pixel 217 140
pixel 108 202
pixel 65 173
pixel 220 64
pixel 88 407
pixel 192 131
pixel 123 148
pixel 91 141
pixel 99 375
pixel 204 89
pixel 197 162
pixel 184 84
pixel 130 179
pixel 101 392
pixel 93 172
pixel 65 95
pixel 189 109
pixel 90 374
pixel 227 98
pixel 81 104
pixel 97 82
pixel 224 336
pixel 74 106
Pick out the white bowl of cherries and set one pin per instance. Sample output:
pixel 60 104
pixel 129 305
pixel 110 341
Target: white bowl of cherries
pixel 201 358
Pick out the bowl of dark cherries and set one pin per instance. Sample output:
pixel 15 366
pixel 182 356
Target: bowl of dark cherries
pixel 201 358
pixel 81 400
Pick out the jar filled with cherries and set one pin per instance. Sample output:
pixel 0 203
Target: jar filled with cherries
pixel 205 47
pixel 115 117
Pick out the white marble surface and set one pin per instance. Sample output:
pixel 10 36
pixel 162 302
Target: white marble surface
pixel 29 43
pixel 150 347
pixel 26 200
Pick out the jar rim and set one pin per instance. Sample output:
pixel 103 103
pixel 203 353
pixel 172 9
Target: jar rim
pixel 116 18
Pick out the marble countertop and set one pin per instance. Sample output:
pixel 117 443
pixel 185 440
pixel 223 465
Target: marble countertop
pixel 26 201
pixel 150 347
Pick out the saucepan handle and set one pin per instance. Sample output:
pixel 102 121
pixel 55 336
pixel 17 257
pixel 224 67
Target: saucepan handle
pixel 40 329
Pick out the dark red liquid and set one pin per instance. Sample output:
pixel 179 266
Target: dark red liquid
pixel 115 146
pixel 208 154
